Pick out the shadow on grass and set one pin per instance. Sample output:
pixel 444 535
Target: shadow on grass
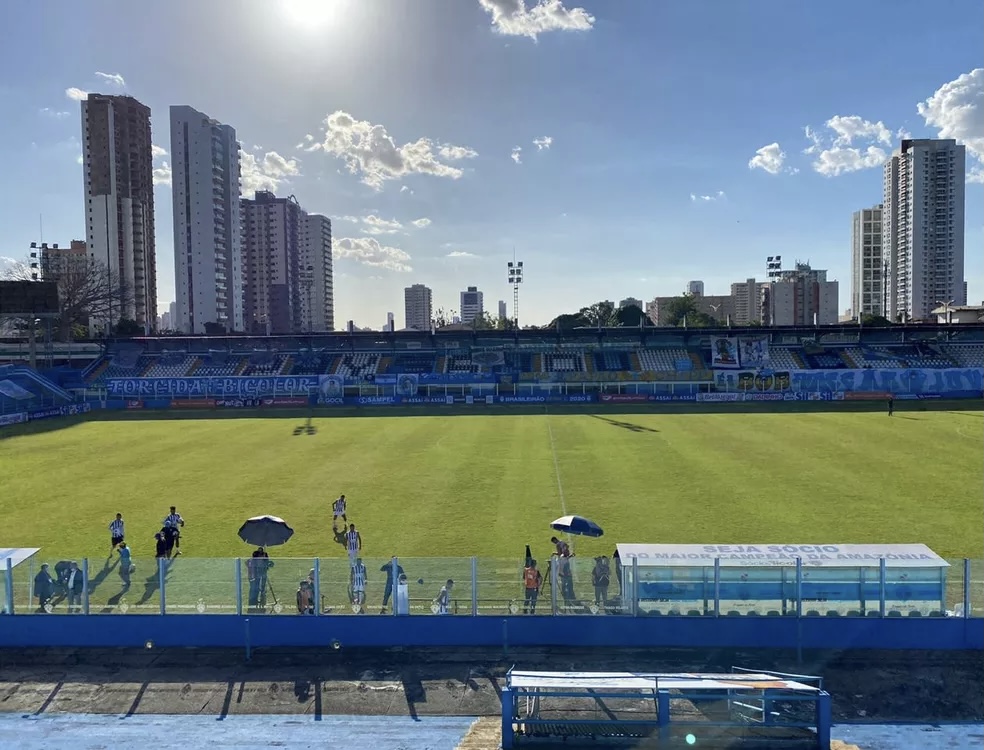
pixel 967 407
pixel 624 425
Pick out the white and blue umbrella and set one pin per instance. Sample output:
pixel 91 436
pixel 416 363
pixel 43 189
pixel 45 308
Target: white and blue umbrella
pixel 578 525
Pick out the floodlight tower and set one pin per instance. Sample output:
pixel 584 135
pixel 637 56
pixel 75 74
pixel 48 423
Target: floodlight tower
pixel 515 269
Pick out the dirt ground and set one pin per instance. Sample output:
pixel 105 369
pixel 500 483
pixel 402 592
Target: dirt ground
pixel 871 686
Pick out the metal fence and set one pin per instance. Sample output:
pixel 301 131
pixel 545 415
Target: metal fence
pixel 413 586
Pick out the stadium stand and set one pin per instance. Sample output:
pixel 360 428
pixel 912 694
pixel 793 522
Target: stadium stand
pixel 412 362
pixel 217 364
pixel 309 362
pixel 357 366
pixel 455 363
pixel 862 357
pixel 611 361
pixel 966 355
pixel 785 358
pixel 657 360
pixel 563 362
pixel 264 363
pixel 170 365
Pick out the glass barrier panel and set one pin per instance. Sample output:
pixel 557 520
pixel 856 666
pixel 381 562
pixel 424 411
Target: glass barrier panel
pixel 954 597
pixel 22 576
pixel 197 585
pixel 278 585
pixel 427 578
pixel 502 589
pixel 977 588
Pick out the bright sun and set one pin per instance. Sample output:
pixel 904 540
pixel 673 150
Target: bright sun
pixel 311 13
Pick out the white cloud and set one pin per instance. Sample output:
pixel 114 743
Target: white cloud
pixel 516 154
pixel 513 18
pixel 307 143
pixel 162 174
pixel 370 152
pixel 55 113
pixel 405 189
pixel 376 225
pixel 956 110
pixel 544 143
pixel 157 152
pixel 75 94
pixel 456 153
pixel 769 158
pixel 460 254
pixel 421 223
pixel 850 144
pixel 114 79
pixel 719 195
pixel 266 173
pixel 902 134
pixel 840 160
pixel 368 251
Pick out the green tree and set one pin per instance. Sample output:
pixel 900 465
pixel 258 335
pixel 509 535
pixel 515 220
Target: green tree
pixel 685 307
pixel 568 322
pixel 600 314
pixel 631 316
pixel 128 328
pixel 874 320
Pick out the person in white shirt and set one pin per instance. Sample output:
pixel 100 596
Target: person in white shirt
pixel 338 511
pixel 353 543
pixel 358 584
pixel 443 600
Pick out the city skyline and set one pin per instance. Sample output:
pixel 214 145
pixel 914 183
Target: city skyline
pixel 426 181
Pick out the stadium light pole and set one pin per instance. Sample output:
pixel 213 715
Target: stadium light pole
pixel 515 275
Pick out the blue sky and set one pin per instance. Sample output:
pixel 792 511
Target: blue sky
pixel 646 130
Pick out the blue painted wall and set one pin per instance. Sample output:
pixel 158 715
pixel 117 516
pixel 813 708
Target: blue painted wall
pixel 615 631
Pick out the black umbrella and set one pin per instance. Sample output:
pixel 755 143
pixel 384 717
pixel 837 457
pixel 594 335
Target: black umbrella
pixel 265 531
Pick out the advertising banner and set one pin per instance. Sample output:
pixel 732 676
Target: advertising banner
pixel 242 387
pixel 134 403
pixel 763 380
pixel 194 403
pixel 8 419
pixel 719 397
pixel 819 555
pixel 68 410
pixel 406 384
pixel 287 401
pixel 724 352
pixel 331 386
pixel 237 403
pixel 865 396
pixel 624 398
pixel 753 351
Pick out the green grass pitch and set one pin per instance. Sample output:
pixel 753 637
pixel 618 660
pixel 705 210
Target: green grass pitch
pixel 483 485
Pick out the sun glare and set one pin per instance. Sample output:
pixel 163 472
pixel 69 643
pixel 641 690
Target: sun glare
pixel 311 13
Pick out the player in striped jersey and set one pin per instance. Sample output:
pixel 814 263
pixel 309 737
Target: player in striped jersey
pixel 353 543
pixel 116 533
pixel 358 585
pixel 174 519
pixel 338 511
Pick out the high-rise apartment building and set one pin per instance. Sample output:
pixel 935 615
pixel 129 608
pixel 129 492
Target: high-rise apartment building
pixel 503 313
pixel 869 293
pixel 208 269
pixel 923 218
pixel 288 285
pixel 695 288
pixel 317 274
pixel 119 200
pixel 417 307
pixel 472 305
pixel 748 300
pixel 57 261
pixel 800 297
pixel 631 302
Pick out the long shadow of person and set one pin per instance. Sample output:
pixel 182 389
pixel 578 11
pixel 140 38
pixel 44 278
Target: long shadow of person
pixel 152 584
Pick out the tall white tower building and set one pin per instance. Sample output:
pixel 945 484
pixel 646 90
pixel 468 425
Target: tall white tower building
pixel 207 237
pixel 923 217
pixel 418 307
pixel 317 277
pixel 869 293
